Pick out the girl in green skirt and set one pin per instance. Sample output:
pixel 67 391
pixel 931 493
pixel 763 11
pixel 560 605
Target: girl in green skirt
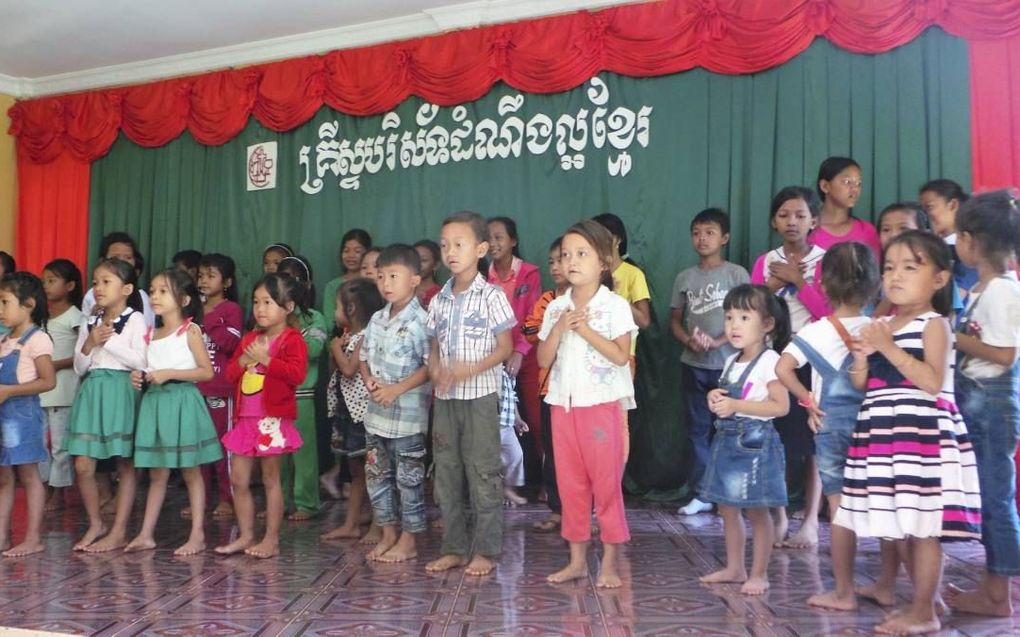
pixel 110 346
pixel 174 427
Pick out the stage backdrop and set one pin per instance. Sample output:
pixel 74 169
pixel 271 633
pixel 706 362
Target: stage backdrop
pixel 654 151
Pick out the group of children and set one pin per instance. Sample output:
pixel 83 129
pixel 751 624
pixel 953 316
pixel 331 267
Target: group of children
pixel 807 355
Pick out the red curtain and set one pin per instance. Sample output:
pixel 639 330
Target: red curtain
pixel 53 205
pixel 995 112
pixel 537 56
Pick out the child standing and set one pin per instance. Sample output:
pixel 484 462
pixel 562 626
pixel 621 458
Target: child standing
pixel 394 360
pixel 910 473
pixel 111 346
pixel 697 322
pixel 586 335
pixel 988 340
pixel 26 370
pixel 353 246
pixel 532 326
pixel 273 254
pixel 746 468
pixel 469 324
pixel 300 470
pixel 267 367
pixel 511 427
pixel 850 280
pixel 369 260
pixel 174 428
pixel 222 320
pixel 428 252
pixel 942 199
pixel 63 287
pixel 357 301
pixel 120 245
pixel 839 187
pixel 792 271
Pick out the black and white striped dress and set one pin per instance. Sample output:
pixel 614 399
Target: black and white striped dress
pixel 910 470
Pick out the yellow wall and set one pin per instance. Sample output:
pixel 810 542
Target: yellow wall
pixel 8 178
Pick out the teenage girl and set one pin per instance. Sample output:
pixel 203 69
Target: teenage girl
pixel 266 369
pixel 174 428
pixel 26 370
pixel 273 254
pixel 793 271
pixel 746 468
pixel 910 473
pixel 988 339
pixel 62 284
pixel 585 342
pixel 110 346
pixel 357 300
pixel 839 187
pixel 353 246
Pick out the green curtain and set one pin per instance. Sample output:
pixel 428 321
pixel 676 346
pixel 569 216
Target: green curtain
pixel 712 140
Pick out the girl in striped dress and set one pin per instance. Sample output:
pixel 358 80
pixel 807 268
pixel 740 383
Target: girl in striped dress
pixel 911 474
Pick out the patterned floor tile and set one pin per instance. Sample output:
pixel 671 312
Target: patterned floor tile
pixel 208 627
pixel 363 628
pixel 510 627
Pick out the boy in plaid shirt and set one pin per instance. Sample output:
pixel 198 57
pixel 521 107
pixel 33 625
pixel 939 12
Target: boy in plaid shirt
pixel 469 322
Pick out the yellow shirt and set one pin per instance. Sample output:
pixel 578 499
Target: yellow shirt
pixel 630 283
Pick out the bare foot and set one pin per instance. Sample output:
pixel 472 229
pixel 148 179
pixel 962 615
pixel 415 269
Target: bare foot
pixel 444 563
pixel 384 545
pixel 140 544
pixel 755 586
pixel 109 543
pixel 302 516
pixel 373 536
pixel 328 484
pixel 186 513
pixel 263 550
pixel 976 602
pixel 191 547
pixel 238 545
pixel 907 624
pixel 568 573
pixel 25 548
pixel 55 502
pixel 725 576
pixel 608 578
pixel 479 566
pixel 108 506
pixel 91 535
pixel 261 515
pixel 223 510
pixel 344 532
pixel 551 523
pixel 780 526
pixel 405 549
pixel 879 594
pixel 512 499
pixel 832 601
pixel 805 537
pixel 437 523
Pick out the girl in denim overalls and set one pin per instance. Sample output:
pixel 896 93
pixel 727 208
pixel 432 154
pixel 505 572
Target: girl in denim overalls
pixel 26 370
pixel 850 280
pixel 746 469
pixel 988 335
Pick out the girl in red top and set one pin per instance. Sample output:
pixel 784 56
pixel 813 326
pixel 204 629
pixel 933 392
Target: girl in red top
pixel 267 367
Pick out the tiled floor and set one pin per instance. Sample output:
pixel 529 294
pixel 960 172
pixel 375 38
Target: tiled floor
pixel 318 588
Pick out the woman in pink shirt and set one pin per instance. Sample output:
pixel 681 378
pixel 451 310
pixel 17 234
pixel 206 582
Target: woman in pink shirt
pixel 839 186
pixel 522 283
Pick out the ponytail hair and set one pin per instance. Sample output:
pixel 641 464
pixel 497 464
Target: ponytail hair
pixel 129 276
pixel 758 298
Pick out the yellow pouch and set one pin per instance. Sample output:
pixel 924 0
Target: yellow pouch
pixel 252 383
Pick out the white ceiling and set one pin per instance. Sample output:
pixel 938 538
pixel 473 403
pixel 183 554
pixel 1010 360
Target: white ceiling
pixel 57 46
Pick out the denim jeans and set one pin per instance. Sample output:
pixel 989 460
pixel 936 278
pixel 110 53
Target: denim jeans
pixel 696 383
pixel 989 408
pixel 395 476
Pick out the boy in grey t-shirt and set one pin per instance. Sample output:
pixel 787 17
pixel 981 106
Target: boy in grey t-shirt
pixel 697 322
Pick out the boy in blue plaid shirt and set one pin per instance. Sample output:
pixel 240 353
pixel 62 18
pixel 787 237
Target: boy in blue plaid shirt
pixel 394 353
pixel 469 323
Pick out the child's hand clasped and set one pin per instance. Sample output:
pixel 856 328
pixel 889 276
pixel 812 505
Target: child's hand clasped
pixel 258 351
pixel 158 376
pixel 877 336
pixel 137 379
pixel 100 334
pixel 720 404
pixel 384 394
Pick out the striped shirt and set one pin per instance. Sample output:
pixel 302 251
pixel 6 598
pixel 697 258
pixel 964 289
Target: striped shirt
pixel 465 326
pixel 394 349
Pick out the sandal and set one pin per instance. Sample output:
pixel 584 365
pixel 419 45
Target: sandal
pixel 547 525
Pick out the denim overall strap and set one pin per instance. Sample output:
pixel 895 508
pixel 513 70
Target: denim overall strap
pixel 735 389
pixel 9 363
pixel 816 360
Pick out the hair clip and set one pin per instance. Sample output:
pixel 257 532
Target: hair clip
pixel 280 247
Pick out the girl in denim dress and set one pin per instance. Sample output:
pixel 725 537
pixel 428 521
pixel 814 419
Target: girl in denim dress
pixel 746 468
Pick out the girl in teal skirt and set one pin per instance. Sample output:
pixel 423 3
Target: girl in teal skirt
pixel 174 428
pixel 111 344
